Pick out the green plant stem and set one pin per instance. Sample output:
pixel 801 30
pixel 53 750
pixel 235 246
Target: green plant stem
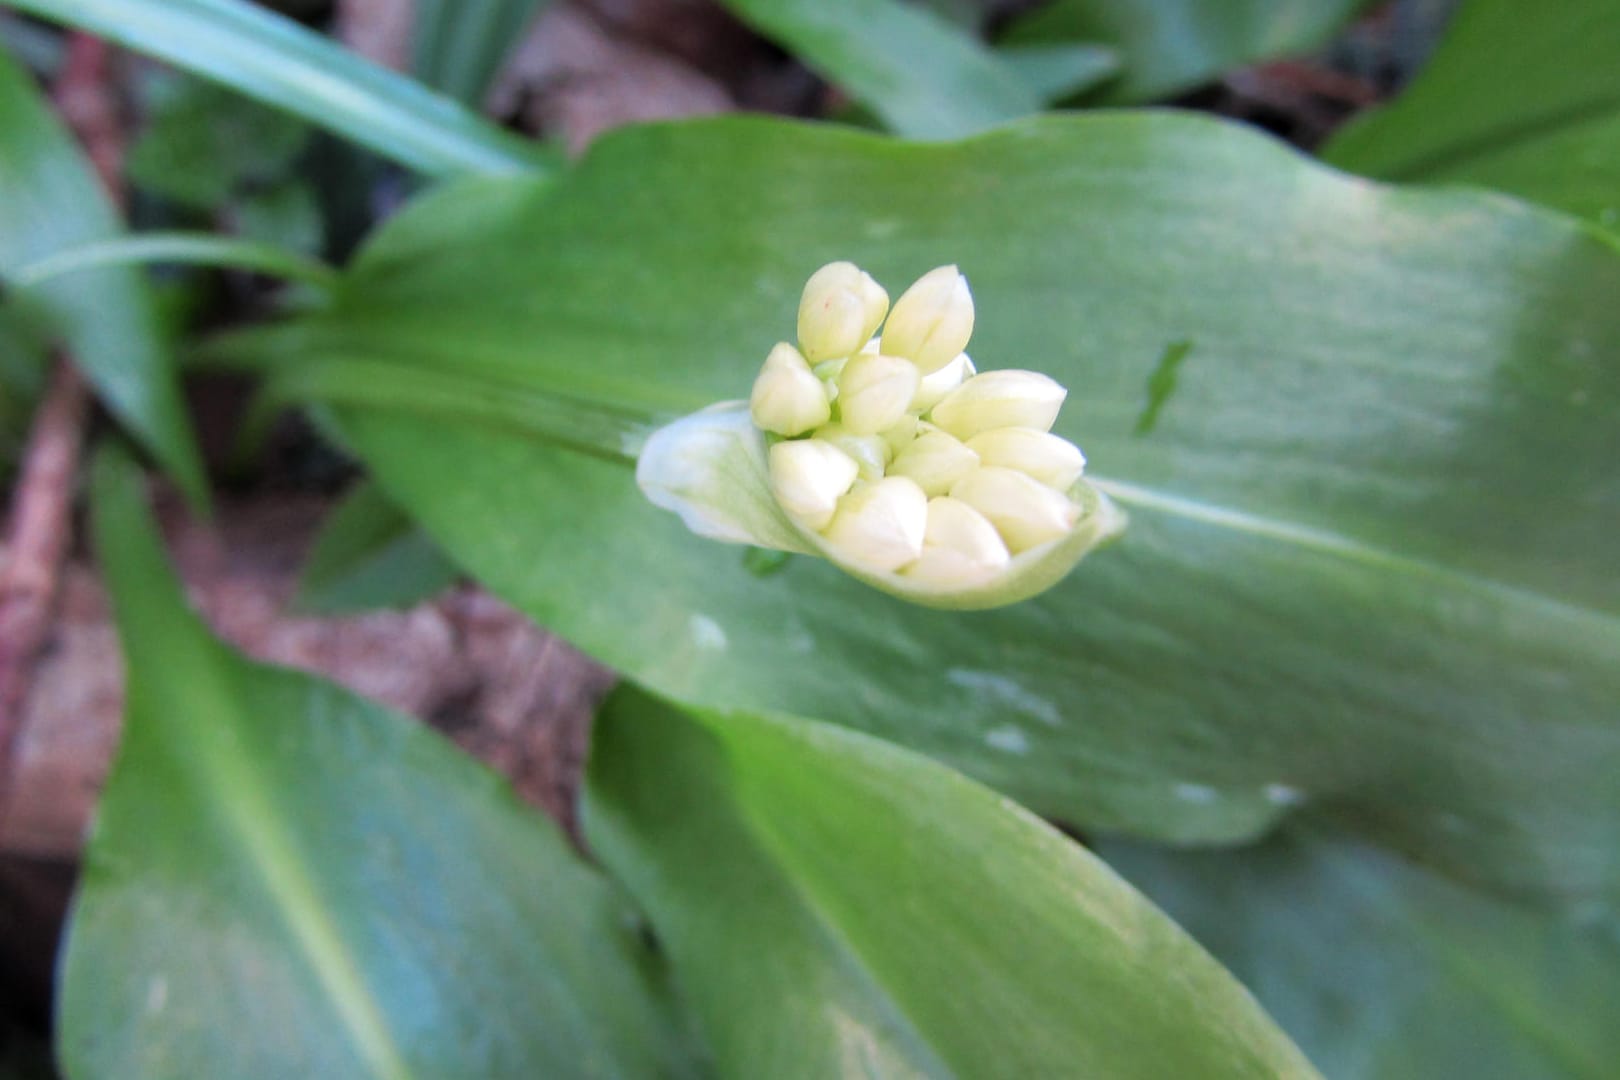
pixel 611 432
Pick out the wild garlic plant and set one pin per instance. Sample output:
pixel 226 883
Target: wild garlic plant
pixel 875 443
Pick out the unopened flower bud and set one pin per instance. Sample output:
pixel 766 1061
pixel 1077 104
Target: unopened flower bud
pixel 902 434
pixel 933 388
pixel 875 391
pixel 880 526
pixel 932 320
pixel 960 546
pixel 936 460
pixel 1024 511
pixel 1000 399
pixel 1051 459
pixel 870 452
pixel 840 309
pixel 807 478
pixel 787 399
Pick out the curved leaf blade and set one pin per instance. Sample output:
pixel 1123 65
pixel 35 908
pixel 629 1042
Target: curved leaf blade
pixel 1170 46
pixel 838 906
pixel 270 846
pixel 370 555
pixel 1549 133
pixel 1367 569
pixel 459 49
pixel 923 76
pixel 274 60
pixel 51 201
pixel 1382 970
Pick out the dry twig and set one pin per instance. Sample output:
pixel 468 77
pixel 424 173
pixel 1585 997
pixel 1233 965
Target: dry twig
pixel 42 502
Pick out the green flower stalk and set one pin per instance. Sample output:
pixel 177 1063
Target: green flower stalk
pixel 879 446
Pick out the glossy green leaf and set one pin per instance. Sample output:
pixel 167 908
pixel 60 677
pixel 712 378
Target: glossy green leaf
pixel 370 555
pixel 280 63
pixel 1383 971
pixel 287 880
pixel 50 200
pixel 837 906
pixel 924 77
pixel 1170 46
pixel 1368 571
pixel 1527 104
pixel 458 47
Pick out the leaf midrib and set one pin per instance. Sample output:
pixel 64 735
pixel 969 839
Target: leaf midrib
pixel 249 811
pixel 1349 549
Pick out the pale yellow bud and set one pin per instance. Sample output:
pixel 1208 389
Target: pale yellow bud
pixel 879 526
pixel 999 399
pixel 1024 511
pixel 870 452
pixel 840 309
pixel 807 478
pixel 933 388
pixel 932 320
pixel 901 434
pixel 875 391
pixel 787 398
pixel 936 460
pixel 1051 459
pixel 960 546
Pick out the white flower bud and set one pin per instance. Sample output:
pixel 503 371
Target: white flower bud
pixel 936 460
pixel 1000 399
pixel 787 398
pixel 901 434
pixel 933 388
pixel 1024 511
pixel 840 309
pixel 870 452
pixel 879 527
pixel 807 478
pixel 960 547
pixel 1051 459
pixel 874 392
pixel 828 370
pixel 932 320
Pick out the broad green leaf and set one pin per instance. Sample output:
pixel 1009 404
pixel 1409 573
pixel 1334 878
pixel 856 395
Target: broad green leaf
pixel 50 200
pixel 923 76
pixel 458 47
pixel 1527 104
pixel 369 555
pixel 280 63
pixel 1383 971
pixel 1170 46
pixel 287 880
pixel 837 906
pixel 1368 569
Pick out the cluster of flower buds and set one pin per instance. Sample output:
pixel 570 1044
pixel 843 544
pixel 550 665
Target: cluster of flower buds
pixel 889 446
